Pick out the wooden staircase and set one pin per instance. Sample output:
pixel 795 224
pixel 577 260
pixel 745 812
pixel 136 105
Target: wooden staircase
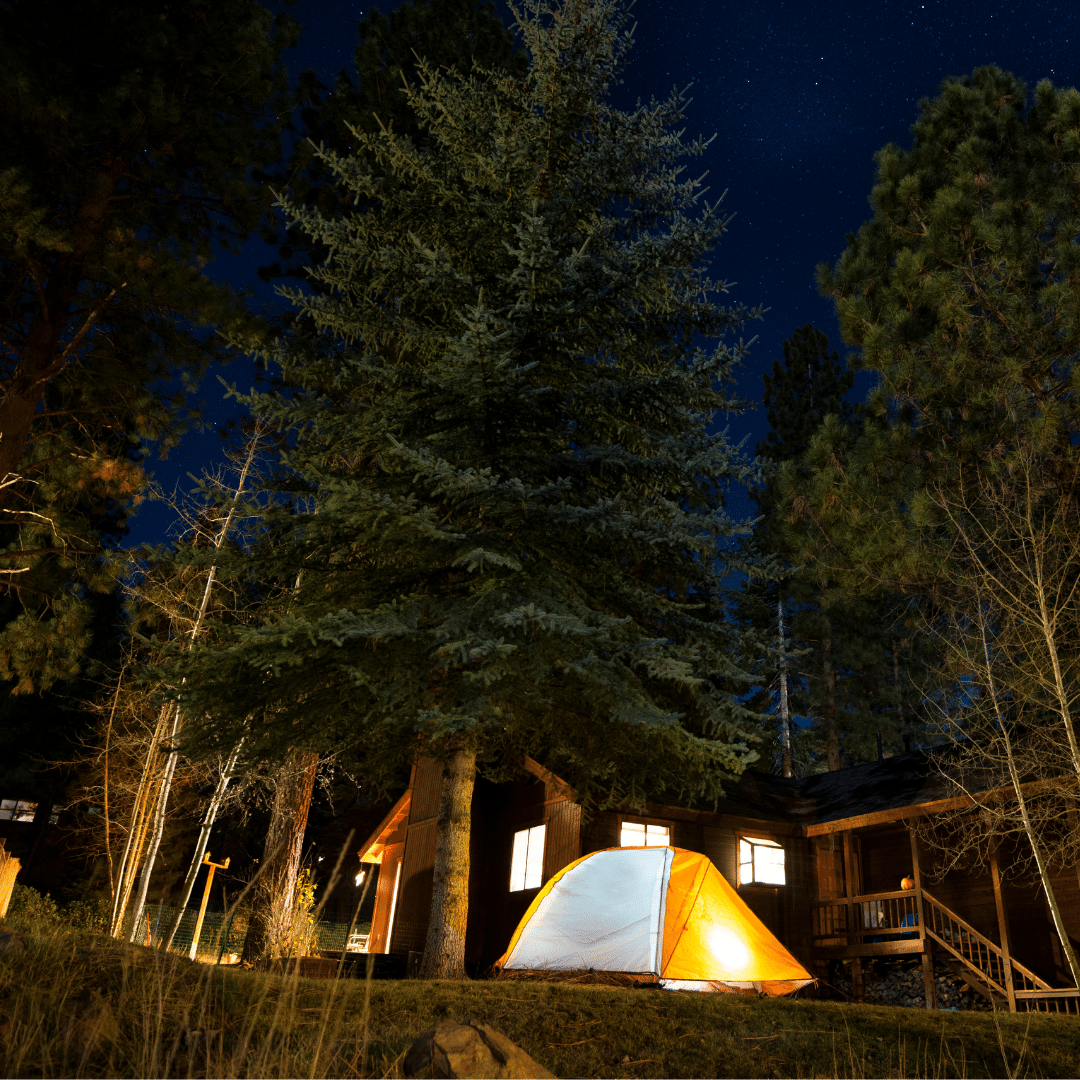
pixel 987 968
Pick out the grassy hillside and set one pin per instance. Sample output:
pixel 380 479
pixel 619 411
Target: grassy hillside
pixel 76 1004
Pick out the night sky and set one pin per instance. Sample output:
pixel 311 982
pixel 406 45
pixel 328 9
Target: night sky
pixel 800 96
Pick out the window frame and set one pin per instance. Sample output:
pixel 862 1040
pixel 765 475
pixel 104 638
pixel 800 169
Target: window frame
pixel 656 823
pixel 767 842
pixel 19 810
pixel 529 831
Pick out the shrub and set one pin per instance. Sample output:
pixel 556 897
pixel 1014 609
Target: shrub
pixel 30 906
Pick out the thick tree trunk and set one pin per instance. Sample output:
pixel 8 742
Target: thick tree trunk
pixel 828 674
pixel 271 929
pixel 444 950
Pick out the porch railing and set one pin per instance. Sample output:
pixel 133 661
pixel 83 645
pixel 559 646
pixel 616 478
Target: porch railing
pixel 859 920
pixel 876 919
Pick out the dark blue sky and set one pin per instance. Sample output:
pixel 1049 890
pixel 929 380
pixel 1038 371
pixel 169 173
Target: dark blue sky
pixel 800 96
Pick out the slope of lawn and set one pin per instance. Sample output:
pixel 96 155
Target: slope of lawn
pixel 77 1004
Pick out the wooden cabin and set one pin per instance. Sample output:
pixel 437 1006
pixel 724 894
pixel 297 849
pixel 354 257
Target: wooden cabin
pixel 819 860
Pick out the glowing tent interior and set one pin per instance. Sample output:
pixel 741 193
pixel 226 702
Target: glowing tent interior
pixel 657 911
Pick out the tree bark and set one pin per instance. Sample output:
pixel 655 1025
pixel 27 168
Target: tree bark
pixel 785 709
pixel 209 818
pixel 270 930
pixel 828 674
pixel 160 807
pixel 444 950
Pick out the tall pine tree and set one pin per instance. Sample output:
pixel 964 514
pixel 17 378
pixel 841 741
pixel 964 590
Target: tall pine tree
pixel 499 521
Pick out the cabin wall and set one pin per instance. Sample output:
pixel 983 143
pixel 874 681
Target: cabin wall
pixel 784 909
pixel 409 931
pixel 1033 939
pixel 498 811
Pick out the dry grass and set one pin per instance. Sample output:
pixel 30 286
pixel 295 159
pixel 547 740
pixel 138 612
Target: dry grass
pixel 78 1005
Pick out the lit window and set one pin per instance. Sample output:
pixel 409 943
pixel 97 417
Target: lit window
pixel 761 862
pixel 527 862
pixel 17 810
pixel 636 834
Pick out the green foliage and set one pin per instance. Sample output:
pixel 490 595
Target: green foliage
pixel 960 294
pixel 841 646
pixel 30 906
pixel 504 507
pixel 457 35
pixel 91 916
pixel 130 130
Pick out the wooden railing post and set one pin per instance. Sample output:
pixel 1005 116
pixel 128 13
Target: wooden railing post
pixel 929 985
pixel 854 927
pixel 1003 929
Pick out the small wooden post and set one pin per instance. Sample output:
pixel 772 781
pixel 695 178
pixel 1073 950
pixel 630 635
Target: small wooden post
pixel 205 897
pixel 1003 928
pixel 853 924
pixel 929 984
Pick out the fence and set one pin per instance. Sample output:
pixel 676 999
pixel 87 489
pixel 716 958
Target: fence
pixel 223 936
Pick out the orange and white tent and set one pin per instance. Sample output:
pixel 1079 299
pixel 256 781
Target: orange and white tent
pixel 652 910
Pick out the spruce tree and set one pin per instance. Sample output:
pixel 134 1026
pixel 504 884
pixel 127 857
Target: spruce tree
pixel 497 530
pixel 452 34
pixel 129 133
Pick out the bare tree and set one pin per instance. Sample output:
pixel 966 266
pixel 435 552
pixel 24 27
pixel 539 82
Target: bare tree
pixel 1014 641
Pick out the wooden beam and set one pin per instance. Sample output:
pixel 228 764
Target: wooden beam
pixel 559 787
pixel 1003 928
pixel 848 890
pixel 396 814
pixel 929 985
pixel 876 948
pixel 923 809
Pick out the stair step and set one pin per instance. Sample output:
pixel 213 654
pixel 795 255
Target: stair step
pixel 973 979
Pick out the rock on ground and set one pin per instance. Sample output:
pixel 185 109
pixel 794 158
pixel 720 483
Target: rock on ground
pixel 474 1051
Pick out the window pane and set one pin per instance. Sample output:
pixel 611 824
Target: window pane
pixel 657 835
pixel 517 860
pixel 746 862
pixel 632 835
pixel 767 863
pixel 534 860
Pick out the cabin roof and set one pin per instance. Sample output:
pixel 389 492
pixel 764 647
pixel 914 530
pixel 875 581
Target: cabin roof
pixel 870 790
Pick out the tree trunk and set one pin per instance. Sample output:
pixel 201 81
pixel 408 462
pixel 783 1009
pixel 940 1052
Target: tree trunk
pixel 901 725
pixel 160 807
pixel 209 818
pixel 444 950
pixel 140 817
pixel 832 736
pixel 271 929
pixel 785 709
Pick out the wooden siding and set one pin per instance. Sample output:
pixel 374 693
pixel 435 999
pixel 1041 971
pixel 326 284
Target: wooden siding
pixel 600 831
pixel 563 841
pixel 414 894
pixel 720 846
pixel 378 941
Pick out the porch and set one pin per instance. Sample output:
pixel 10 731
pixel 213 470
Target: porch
pixel 914 922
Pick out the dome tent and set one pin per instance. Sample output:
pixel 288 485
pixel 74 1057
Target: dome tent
pixel 652 910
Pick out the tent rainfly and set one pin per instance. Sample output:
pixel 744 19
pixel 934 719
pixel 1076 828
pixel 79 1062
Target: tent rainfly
pixel 656 911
